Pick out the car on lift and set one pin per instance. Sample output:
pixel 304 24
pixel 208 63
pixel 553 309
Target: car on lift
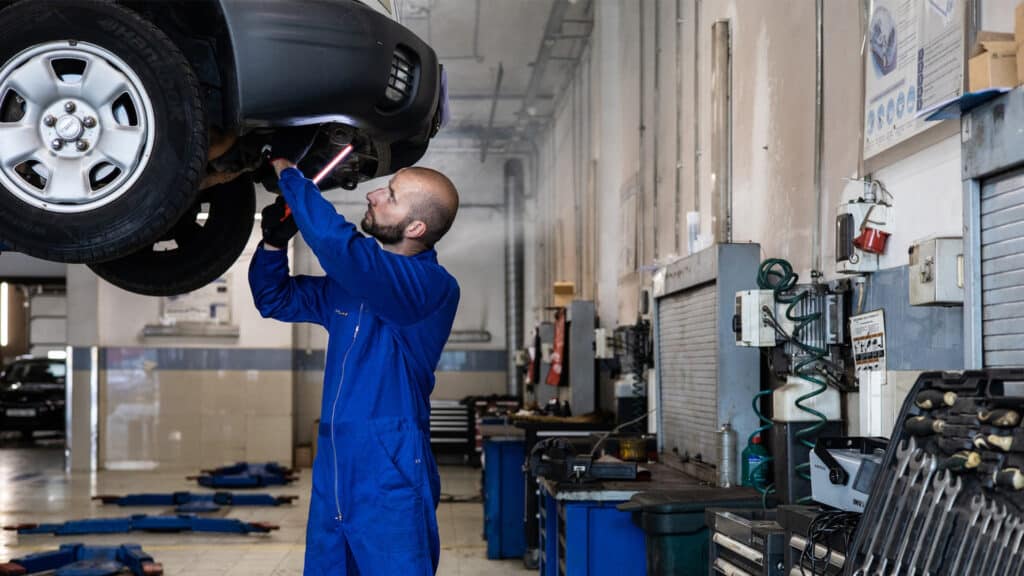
pixel 32 396
pixel 132 131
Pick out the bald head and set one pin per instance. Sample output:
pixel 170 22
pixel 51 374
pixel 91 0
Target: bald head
pixel 436 201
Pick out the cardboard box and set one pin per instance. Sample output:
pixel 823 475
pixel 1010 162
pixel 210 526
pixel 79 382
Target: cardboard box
pixel 565 292
pixel 1018 23
pixel 1020 66
pixel 994 67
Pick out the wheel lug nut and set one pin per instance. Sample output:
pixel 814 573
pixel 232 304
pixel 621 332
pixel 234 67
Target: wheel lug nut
pixel 89 122
pixel 49 120
pixel 69 107
pixel 82 145
pixel 57 144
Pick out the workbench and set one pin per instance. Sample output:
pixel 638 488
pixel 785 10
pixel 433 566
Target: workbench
pixel 583 533
pixel 535 429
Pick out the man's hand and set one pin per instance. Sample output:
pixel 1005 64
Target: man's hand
pixel 278 224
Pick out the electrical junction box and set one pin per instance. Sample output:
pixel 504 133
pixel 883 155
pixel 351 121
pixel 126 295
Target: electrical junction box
pixel 849 258
pixel 937 272
pixel 749 323
pixel 602 351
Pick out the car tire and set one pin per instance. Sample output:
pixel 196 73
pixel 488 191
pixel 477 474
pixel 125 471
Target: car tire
pixel 204 247
pixel 156 173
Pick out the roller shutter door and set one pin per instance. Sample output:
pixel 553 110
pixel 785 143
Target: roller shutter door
pixel 687 355
pixel 1002 271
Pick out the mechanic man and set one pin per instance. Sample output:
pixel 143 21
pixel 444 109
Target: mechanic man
pixel 389 309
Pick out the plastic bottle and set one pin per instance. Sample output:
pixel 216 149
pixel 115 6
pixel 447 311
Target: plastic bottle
pixel 753 455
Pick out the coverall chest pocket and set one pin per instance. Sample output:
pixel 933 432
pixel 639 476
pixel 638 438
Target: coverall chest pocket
pixel 402 467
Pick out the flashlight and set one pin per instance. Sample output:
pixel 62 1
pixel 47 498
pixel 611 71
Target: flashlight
pixel 332 164
pixel 323 173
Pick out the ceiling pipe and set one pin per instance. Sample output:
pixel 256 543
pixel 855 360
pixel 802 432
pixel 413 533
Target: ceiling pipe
pixel 489 132
pixel 540 64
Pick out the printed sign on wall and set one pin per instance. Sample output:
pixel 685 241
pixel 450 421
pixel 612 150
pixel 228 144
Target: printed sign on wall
pixel 914 59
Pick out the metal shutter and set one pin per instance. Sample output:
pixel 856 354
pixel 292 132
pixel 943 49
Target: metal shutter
pixel 687 354
pixel 1002 271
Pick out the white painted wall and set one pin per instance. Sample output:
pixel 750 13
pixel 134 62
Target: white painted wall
pixel 926 191
pixel 122 315
pixel 654 135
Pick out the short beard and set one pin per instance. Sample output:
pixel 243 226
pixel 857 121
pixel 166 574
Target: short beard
pixel 387 235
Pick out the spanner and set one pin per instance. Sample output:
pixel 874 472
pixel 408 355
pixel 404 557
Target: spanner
pixel 946 513
pixel 993 539
pixel 929 464
pixel 1015 548
pixel 977 506
pixel 987 516
pixel 916 465
pixel 941 486
pixel 904 454
pixel 1013 525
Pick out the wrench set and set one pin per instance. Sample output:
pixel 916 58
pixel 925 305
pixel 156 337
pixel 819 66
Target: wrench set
pixel 949 499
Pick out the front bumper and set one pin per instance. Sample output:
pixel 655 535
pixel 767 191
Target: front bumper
pixel 311 61
pixel 31 417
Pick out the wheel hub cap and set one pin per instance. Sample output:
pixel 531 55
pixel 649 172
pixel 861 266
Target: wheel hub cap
pixel 69 128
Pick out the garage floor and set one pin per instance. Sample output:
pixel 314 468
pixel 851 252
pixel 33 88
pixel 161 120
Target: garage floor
pixel 33 488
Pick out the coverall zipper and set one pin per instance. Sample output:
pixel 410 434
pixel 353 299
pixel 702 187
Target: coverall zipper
pixel 334 409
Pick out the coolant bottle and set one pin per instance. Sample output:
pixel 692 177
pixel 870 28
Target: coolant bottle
pixel 753 455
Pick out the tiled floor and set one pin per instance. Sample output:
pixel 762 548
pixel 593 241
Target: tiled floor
pixel 34 488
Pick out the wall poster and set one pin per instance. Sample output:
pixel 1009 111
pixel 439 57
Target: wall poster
pixel 914 59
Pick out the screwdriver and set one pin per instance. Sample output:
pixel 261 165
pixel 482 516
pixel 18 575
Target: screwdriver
pixel 1009 478
pixel 1000 417
pixel 1012 443
pixel 929 399
pixel 925 426
pixel 963 460
pixel 951 444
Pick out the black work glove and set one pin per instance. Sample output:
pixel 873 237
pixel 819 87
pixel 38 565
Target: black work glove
pixel 278 224
pixel 292 144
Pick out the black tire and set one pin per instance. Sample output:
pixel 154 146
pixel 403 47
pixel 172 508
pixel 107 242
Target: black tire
pixel 168 184
pixel 203 253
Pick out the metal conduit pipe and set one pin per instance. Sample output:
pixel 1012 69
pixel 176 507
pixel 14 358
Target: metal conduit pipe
pixel 696 108
pixel 819 131
pixel 514 264
pixel 721 131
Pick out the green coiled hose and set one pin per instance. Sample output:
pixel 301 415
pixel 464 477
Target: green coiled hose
pixel 776 274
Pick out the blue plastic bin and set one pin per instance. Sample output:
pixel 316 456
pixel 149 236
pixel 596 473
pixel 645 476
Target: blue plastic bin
pixel 504 497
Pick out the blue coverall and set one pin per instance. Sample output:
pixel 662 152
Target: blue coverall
pixel 375 481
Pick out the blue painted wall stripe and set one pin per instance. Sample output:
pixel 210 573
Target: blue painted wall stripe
pixel 132 358
pixel 916 337
pixel 81 358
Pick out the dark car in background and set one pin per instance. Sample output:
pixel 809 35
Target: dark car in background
pixel 131 131
pixel 32 396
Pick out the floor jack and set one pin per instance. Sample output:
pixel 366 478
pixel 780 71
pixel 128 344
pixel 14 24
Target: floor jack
pixel 82 560
pixel 144 523
pixel 245 475
pixel 187 502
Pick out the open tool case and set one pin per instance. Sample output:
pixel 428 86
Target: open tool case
pixel 949 499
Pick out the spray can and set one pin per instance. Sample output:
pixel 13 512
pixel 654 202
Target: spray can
pixel 726 456
pixel 752 469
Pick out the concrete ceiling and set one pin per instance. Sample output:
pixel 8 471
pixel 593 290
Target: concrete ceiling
pixel 473 37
